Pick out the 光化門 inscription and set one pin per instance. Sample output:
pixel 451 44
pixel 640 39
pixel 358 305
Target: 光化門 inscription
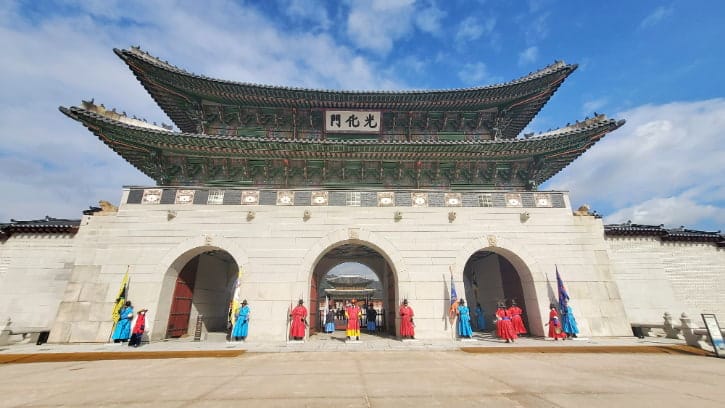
pixel 353 121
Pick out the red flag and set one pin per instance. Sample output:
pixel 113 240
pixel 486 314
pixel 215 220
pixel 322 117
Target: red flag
pixel 453 310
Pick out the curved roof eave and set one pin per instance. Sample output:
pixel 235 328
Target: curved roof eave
pixel 86 116
pixel 526 95
pixel 134 52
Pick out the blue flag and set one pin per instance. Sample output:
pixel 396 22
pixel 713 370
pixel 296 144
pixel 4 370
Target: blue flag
pixel 454 295
pixel 563 295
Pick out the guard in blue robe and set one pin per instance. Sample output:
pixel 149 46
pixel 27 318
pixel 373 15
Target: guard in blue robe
pixel 241 325
pixel 480 319
pixel 371 316
pixel 464 320
pixel 330 321
pixel 122 331
pixel 568 323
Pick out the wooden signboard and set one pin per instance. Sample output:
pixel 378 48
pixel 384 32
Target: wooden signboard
pixel 713 330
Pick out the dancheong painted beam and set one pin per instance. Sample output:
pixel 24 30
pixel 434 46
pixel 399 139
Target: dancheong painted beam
pixel 198 104
pixel 239 134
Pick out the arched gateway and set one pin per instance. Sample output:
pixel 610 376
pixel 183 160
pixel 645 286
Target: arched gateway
pixel 385 297
pixel 304 179
pixel 198 283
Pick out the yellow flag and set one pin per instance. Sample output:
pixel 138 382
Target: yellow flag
pixel 121 298
pixel 236 299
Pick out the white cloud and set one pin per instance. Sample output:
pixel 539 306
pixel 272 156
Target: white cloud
pixel 313 11
pixel 654 18
pixel 666 156
pixel 673 212
pixel 536 27
pixel 51 165
pixel 376 24
pixel 471 29
pixel 429 19
pixel 473 73
pixel 528 56
pixel 352 268
pixel 594 105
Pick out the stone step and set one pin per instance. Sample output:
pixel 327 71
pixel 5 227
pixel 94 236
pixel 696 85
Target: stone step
pixel 216 337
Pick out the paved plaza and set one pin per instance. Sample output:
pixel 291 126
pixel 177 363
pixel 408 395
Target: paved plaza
pixel 373 373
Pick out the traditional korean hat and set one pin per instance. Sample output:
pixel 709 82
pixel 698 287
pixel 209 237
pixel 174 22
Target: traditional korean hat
pixel 244 302
pixel 405 301
pixel 501 304
pixel 299 302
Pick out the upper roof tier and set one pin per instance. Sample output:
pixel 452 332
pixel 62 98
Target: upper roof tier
pixel 499 111
pixel 173 158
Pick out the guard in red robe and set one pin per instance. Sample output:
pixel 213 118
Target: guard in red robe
pixel 298 321
pixel 353 315
pixel 138 329
pixel 407 327
pixel 555 330
pixel 515 311
pixel 504 326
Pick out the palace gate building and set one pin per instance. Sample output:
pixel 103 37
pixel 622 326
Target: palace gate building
pixel 279 185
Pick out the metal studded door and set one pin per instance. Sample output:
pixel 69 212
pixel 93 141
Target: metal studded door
pixel 181 303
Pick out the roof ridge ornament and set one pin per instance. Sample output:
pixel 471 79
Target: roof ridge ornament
pixel 101 110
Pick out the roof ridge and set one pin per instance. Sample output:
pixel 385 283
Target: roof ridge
pixel 136 51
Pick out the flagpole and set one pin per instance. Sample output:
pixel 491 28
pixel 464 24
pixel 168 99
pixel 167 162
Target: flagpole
pixel 120 301
pixel 289 321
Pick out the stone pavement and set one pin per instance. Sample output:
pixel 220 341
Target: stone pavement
pixel 482 342
pixel 370 374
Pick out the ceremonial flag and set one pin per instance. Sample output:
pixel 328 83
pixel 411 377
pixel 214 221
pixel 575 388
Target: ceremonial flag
pixel 327 309
pixel 120 298
pixel 453 310
pixel 563 295
pixel 454 295
pixel 236 299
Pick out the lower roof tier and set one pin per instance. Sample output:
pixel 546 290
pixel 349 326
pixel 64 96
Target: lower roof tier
pixel 199 159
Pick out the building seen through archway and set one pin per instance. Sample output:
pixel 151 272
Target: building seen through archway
pixel 353 271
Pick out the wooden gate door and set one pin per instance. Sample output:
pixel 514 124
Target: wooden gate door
pixel 314 307
pixel 512 288
pixel 392 308
pixel 181 303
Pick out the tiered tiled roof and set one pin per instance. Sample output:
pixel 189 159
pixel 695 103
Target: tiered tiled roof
pixel 665 234
pixel 506 107
pixel 199 159
pixel 241 134
pixel 47 225
pixel 356 281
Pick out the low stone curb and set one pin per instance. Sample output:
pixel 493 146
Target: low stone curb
pixel 110 355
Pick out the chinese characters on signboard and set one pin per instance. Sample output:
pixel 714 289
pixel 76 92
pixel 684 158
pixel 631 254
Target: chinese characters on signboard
pixel 353 121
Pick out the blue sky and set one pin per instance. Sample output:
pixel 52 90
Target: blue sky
pixel 656 64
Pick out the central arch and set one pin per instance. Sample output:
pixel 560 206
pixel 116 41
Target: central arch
pixel 383 297
pixel 358 236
